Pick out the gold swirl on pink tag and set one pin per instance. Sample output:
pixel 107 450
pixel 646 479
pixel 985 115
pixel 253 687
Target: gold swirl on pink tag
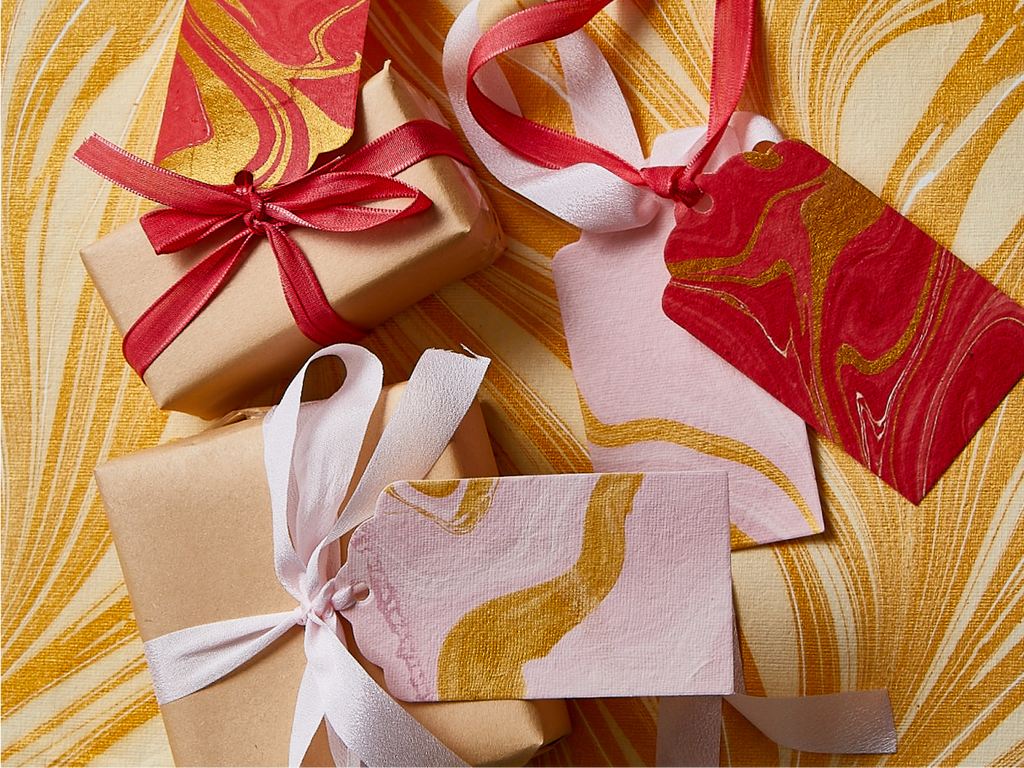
pixel 547 587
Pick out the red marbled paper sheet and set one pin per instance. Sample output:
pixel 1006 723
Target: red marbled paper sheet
pixel 261 85
pixel 879 337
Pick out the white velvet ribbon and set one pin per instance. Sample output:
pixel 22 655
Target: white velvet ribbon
pixel 596 200
pixel 310 455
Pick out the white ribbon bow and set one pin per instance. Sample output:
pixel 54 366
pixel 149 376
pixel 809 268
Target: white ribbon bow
pixel 310 455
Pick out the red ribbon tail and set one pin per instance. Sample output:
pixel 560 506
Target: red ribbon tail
pixel 309 306
pixel 169 315
pixel 153 182
pixel 730 62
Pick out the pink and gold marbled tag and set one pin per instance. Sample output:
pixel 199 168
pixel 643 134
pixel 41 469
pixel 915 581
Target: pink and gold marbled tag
pixel 547 587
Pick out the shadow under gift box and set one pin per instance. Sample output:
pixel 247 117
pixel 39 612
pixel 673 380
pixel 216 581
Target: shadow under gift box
pixel 245 339
pixel 191 523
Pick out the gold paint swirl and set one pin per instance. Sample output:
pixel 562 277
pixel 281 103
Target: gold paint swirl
pixel 666 430
pixel 483 655
pixel 474 505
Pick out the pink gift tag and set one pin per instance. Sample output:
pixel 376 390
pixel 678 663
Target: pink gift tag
pixel 653 397
pixel 547 587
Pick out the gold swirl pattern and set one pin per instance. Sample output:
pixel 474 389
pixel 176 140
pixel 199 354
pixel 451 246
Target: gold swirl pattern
pixel 477 496
pixel 720 446
pixel 222 56
pixel 482 656
pixel 919 101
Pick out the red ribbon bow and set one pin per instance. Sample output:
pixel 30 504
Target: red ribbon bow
pixel 332 198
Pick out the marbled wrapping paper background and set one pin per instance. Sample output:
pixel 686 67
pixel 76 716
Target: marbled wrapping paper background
pixel 919 100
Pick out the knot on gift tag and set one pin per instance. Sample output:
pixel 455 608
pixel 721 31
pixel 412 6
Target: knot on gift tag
pixel 672 182
pixel 348 596
pixel 330 599
pixel 338 196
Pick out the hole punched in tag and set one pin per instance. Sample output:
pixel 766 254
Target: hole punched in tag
pixel 768 159
pixel 704 204
pixel 347 597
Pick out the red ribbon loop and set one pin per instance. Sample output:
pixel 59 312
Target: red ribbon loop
pixel 332 197
pixel 733 44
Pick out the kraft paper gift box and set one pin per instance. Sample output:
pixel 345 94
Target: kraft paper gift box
pixel 192 526
pixel 246 340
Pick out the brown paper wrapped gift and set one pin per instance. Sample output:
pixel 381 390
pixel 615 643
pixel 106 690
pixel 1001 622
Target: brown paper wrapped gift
pixel 245 339
pixel 192 525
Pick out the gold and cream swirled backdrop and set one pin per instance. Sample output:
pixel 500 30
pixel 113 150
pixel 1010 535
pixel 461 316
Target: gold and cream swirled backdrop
pixel 921 100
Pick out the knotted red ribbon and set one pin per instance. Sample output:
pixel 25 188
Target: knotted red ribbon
pixel 333 197
pixel 549 148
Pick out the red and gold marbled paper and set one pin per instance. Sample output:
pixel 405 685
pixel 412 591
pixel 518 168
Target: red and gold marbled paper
pixel 261 85
pixel 876 335
pixel 926 602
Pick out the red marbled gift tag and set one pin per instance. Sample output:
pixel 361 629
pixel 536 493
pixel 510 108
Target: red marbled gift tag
pixel 876 335
pixel 261 85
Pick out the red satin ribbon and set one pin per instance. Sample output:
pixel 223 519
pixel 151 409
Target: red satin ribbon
pixel 733 45
pixel 330 198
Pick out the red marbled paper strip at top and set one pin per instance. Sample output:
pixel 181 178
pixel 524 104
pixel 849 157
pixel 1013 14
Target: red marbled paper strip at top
pixel 880 338
pixel 261 85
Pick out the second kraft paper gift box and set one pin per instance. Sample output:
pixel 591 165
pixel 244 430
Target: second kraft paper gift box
pixel 245 339
pixel 192 526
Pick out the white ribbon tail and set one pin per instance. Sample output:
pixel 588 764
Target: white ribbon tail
pixel 441 390
pixel 362 714
pixel 343 756
pixel 851 723
pixel 188 660
pixel 309 713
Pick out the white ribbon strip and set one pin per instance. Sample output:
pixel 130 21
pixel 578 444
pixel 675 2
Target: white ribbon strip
pixel 850 723
pixel 585 195
pixel 310 456
pixel 596 200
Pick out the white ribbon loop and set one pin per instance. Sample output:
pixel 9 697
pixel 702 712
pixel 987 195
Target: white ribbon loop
pixel 585 195
pixel 310 454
